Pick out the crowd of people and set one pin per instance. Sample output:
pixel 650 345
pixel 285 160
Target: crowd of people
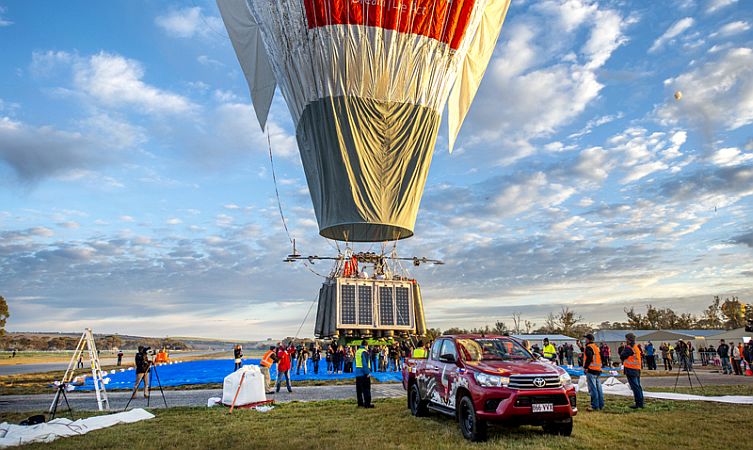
pixel 338 359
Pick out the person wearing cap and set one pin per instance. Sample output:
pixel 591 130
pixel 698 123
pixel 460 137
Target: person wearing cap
pixel 592 368
pixel 631 361
pixel 550 351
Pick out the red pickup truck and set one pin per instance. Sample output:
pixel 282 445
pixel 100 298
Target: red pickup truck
pixel 480 379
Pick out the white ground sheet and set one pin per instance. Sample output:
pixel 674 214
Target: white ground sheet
pixel 11 435
pixel 616 387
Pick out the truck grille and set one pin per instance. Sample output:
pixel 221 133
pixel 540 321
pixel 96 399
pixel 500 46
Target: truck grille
pixel 534 381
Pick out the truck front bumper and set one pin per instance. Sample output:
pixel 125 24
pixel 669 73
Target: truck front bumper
pixel 517 405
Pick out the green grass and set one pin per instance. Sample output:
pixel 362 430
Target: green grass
pixel 336 425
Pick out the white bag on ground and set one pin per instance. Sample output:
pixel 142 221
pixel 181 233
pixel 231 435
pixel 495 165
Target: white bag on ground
pixel 252 390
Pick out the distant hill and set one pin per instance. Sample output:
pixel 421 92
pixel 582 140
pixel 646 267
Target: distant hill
pixel 25 340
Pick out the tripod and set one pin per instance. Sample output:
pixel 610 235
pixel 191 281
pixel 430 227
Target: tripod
pixel 147 385
pixel 685 364
pixel 56 401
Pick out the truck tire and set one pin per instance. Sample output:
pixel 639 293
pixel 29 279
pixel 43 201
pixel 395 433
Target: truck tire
pixel 560 427
pixel 415 404
pixel 471 426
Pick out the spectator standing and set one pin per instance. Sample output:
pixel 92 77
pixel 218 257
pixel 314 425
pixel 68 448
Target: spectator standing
pixel 665 356
pixel 723 352
pixel 330 356
pixel 606 355
pixel 303 357
pixel 316 356
pixel 735 356
pixel 80 363
pixel 569 352
pixel 374 353
pixel 592 367
pixel 238 357
pixel 631 361
pixel 363 375
pixel 283 368
pixel 349 359
pixel 120 357
pixel 340 359
pixel 650 357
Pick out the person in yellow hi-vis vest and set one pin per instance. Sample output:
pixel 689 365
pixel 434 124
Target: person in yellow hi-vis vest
pixel 420 351
pixel 550 351
pixel 363 376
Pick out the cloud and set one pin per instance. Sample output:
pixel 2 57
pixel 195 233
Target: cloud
pixel 114 80
pixel 716 5
pixel 33 152
pixel 189 22
pixel 529 63
pixel 672 32
pixel 732 28
pixel 4 22
pixel 745 239
pixel 717 93
pixel 730 156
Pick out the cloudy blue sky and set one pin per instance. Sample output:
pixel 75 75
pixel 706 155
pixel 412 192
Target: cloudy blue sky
pixel 136 193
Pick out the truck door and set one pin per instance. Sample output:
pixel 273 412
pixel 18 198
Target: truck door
pixel 431 368
pixel 447 373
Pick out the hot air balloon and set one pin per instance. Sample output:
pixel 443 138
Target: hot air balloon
pixel 366 82
pixel 678 95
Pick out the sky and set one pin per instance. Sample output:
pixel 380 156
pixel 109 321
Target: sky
pixel 137 197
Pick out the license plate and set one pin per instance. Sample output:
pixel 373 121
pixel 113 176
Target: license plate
pixel 543 407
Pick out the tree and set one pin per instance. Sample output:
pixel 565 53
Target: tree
pixel 529 326
pixel 566 322
pixel 433 333
pixel 499 327
pixel 516 324
pixel 711 318
pixel 4 314
pixel 455 330
pixel 733 312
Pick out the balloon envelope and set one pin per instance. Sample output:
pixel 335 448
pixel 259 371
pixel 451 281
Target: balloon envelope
pixel 366 82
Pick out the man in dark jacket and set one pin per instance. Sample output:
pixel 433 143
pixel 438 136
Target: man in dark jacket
pixel 723 352
pixel 631 361
pixel 142 371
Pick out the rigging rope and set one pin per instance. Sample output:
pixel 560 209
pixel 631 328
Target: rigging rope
pixel 307 315
pixel 277 191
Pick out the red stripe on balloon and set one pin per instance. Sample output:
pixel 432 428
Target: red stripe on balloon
pixel 443 20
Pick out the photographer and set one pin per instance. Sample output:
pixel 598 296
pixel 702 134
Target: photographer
pixel 142 371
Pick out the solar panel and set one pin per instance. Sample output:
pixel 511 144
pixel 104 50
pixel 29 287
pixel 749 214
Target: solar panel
pixel 365 305
pixel 348 304
pixel 402 301
pixel 386 314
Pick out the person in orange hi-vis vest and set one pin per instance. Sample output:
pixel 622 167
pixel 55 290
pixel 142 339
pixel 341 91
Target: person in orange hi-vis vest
pixel 592 369
pixel 631 361
pixel 269 358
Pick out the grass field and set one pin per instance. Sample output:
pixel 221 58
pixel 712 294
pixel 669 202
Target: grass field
pixel 336 425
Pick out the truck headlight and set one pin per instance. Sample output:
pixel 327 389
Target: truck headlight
pixel 487 380
pixel 566 380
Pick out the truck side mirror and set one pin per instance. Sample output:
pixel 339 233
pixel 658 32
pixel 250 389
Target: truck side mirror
pixel 447 358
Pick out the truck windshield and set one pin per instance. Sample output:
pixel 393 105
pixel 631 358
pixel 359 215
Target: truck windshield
pixel 487 349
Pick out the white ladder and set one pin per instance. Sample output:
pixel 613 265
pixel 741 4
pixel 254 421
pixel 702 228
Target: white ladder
pixel 86 343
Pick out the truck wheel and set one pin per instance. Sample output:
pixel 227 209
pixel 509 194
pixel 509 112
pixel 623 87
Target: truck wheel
pixel 415 404
pixel 472 427
pixel 560 427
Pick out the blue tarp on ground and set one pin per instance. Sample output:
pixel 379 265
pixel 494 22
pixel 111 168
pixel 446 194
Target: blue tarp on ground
pixel 578 371
pixel 215 371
